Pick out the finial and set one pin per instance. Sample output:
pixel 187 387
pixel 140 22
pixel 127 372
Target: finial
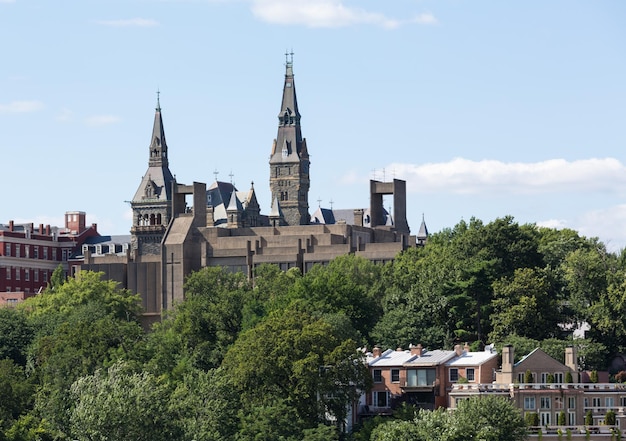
pixel 319 202
pixel 331 204
pixel 252 184
pixel 158 107
pixel 231 176
pixel 289 61
pixel 215 173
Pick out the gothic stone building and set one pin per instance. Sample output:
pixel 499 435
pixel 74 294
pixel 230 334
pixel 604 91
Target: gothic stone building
pixel 222 226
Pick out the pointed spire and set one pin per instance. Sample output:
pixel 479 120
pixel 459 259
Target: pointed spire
pixel 158 145
pixel 422 234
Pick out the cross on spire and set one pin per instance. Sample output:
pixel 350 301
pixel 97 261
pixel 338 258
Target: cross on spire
pixel 158 107
pixel 215 173
pixel 289 57
pixel 319 202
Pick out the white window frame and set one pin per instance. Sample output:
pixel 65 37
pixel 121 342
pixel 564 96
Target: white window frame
pixel 470 374
pixel 530 403
pixel 377 375
pixel 456 375
pixel 395 373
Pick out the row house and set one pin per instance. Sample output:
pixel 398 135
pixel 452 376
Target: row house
pixel 29 254
pixel 539 384
pixel 421 377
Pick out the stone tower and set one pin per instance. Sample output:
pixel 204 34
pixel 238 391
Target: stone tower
pixel 289 160
pixel 152 203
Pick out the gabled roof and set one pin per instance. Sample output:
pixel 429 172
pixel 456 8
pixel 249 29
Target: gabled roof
pixel 323 216
pixel 538 357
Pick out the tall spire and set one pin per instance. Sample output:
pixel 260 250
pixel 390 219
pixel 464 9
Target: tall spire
pixel 158 145
pixel 289 161
pixel 152 203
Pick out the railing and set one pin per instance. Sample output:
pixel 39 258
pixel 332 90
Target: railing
pixel 597 387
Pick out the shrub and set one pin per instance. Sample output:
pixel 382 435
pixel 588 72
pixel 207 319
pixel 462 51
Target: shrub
pixel 593 376
pixel 609 418
pixel 528 376
pixel 589 418
pixel 568 377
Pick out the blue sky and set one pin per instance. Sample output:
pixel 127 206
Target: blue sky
pixel 485 108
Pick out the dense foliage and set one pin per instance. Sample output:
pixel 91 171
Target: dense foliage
pixel 277 358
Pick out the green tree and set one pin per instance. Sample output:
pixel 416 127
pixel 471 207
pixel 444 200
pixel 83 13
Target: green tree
pixel 119 405
pixel 588 418
pixel 480 418
pixel 350 285
pixel 205 406
pixel 490 418
pixel 16 393
pixel 209 319
pixel 300 359
pixel 609 418
pixel 525 305
pixel 80 326
pixel 15 335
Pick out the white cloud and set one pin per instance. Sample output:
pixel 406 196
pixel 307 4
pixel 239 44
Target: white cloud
pixel 464 176
pixel 21 106
pixel 425 19
pixel 553 223
pixel 607 223
pixel 101 120
pixel 65 115
pixel 325 14
pixel 131 22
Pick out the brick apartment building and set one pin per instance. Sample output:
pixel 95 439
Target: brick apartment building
pixel 29 254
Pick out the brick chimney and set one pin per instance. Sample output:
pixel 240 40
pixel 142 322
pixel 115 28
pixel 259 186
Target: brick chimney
pixel 94 227
pixel 458 350
pixel 11 225
pixel 416 350
pixel 376 352
pixel 508 357
pixel 571 361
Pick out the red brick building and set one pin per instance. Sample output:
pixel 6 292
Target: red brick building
pixel 29 254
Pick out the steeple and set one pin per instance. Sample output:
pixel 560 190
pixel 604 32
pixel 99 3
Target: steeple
pixel 152 203
pixel 289 160
pixel 422 234
pixel 158 145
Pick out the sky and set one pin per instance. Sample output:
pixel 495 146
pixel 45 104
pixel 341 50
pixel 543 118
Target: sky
pixel 485 108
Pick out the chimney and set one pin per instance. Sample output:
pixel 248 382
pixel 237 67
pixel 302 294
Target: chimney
pixel 94 227
pixel 358 217
pixel 376 352
pixel 458 350
pixel 508 356
pixel 47 230
pixel 466 348
pixel 571 361
pixel 398 349
pixel 11 225
pixel 41 229
pixel 416 350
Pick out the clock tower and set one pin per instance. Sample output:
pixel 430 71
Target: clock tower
pixel 289 160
